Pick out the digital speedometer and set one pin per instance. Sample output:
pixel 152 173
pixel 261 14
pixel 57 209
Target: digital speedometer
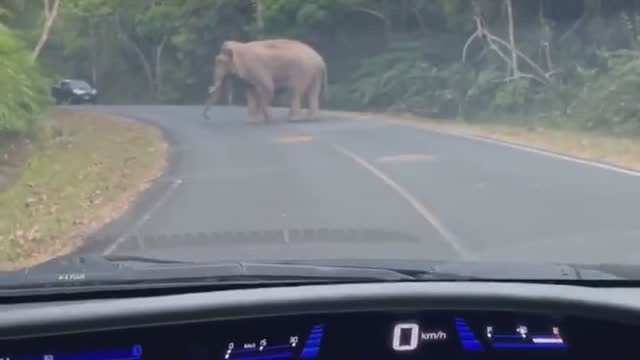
pixel 407 336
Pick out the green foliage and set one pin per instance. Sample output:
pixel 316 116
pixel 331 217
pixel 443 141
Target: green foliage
pixel 397 55
pixel 25 92
pixel 610 102
pixel 407 82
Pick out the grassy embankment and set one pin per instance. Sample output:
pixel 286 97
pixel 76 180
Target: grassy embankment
pixel 81 171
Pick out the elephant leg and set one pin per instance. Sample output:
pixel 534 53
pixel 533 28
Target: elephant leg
pixel 296 103
pixel 265 96
pixel 253 104
pixel 313 98
pixel 210 101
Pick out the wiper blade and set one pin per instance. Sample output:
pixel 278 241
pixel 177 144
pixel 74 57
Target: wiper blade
pixel 125 269
pixel 143 259
pixel 257 269
pixel 453 270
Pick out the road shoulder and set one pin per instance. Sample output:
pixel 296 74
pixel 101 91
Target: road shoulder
pixel 601 149
pixel 86 172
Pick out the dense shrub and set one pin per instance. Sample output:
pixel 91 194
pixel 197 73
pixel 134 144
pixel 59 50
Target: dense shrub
pixel 24 91
pixel 600 97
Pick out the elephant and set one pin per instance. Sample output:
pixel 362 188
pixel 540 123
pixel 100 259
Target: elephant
pixel 267 67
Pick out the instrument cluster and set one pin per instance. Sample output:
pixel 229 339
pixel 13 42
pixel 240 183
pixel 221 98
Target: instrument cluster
pixel 423 335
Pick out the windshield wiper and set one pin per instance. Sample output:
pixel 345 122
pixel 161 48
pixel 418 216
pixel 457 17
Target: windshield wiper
pixel 144 259
pixel 117 269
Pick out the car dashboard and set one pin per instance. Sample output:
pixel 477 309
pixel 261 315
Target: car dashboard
pixel 405 321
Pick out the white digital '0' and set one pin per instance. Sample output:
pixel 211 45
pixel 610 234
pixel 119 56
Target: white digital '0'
pixel 413 339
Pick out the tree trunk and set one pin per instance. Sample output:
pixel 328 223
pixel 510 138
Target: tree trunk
pixel 259 5
pixel 140 54
pixel 417 14
pixel 633 25
pixel 512 40
pixel 92 52
pixel 158 68
pixel 50 14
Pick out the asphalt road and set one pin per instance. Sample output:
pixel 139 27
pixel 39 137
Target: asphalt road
pixel 347 188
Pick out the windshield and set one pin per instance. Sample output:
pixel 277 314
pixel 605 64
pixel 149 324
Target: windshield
pixel 322 131
pixel 78 84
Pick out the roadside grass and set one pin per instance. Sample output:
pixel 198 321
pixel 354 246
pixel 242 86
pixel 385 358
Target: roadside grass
pixel 84 170
pixel 622 151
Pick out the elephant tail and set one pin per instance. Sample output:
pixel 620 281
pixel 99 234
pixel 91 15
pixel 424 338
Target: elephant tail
pixel 325 83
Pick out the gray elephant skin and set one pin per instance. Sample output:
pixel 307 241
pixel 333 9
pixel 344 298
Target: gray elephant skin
pixel 267 67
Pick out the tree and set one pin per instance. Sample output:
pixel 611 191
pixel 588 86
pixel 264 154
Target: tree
pixel 50 14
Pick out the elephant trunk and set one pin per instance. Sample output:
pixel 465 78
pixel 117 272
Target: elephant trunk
pixel 214 95
pixel 214 92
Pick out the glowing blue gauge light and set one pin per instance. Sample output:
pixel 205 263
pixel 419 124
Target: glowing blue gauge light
pixel 283 355
pixel 469 341
pixel 527 346
pixel 310 350
pixel 536 342
pixel 523 339
pixel 272 352
pixel 129 353
pixel 312 345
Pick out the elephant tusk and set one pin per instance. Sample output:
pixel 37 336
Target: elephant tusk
pixel 213 89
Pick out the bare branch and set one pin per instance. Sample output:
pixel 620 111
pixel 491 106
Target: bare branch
pixel 379 15
pixel 50 14
pixel 527 76
pixel 523 56
pixel 468 43
pixel 371 12
pixel 551 73
pixel 482 31
pixel 141 56
pixel 573 28
pixel 491 41
pixel 495 48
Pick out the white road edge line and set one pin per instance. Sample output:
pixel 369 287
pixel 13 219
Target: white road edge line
pixel 174 185
pixel 529 149
pixel 425 213
pixel 546 153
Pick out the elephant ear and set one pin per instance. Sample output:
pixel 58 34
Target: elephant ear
pixel 232 50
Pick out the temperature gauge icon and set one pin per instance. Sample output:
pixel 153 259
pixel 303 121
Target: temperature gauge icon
pixel 489 331
pixel 522 330
pixel 293 341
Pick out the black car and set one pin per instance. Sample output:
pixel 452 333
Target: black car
pixel 70 91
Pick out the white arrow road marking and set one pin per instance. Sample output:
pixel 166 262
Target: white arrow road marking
pixel 404 158
pixel 422 210
pixel 293 139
